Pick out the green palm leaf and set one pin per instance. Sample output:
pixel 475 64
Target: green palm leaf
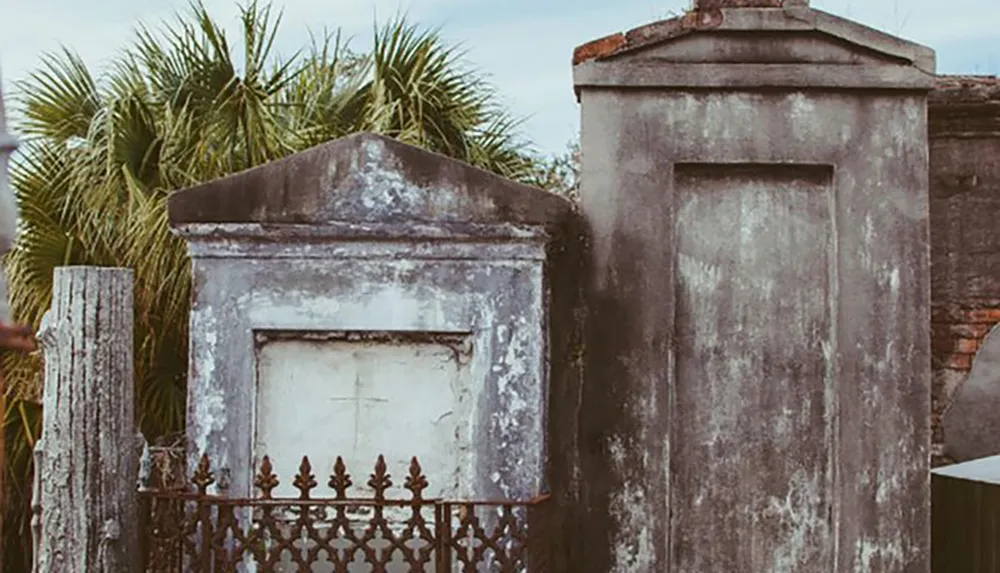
pixel 63 100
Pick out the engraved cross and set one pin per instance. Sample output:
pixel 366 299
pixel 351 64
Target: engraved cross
pixel 359 398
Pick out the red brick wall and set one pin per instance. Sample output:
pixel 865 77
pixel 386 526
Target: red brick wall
pixel 964 134
pixel 957 333
pixel 957 330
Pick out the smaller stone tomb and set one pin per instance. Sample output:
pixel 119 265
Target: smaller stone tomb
pixel 367 297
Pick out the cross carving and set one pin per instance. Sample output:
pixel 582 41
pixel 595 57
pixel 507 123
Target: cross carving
pixel 358 399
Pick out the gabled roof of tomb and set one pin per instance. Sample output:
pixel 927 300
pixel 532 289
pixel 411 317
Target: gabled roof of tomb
pixel 783 32
pixel 366 178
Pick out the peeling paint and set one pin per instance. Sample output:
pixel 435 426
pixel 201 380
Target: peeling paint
pixel 206 404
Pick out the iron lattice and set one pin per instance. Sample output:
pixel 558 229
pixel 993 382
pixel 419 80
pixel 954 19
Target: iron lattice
pixel 198 531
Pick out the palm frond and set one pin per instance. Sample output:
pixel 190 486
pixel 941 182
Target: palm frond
pixel 59 100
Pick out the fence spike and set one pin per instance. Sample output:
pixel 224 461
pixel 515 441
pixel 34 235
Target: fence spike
pixel 416 482
pixel 340 481
pixel 305 480
pixel 266 480
pixel 380 480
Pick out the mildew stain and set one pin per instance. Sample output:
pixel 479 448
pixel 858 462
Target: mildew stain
pixel 802 520
pixel 879 556
pixel 698 275
pixel 633 549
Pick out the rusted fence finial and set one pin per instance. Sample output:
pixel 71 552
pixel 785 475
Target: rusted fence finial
pixel 715 4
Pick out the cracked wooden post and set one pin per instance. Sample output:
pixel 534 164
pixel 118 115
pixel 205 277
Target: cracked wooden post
pixel 89 518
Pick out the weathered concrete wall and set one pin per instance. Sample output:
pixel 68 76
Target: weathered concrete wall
pixel 833 342
pixel 775 391
pixel 757 381
pixel 572 438
pixel 368 245
pixel 964 138
pixel 495 305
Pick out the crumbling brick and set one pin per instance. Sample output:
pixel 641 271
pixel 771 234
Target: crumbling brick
pixel 957 361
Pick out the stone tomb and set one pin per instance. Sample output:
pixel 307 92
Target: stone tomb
pixel 366 297
pixel 755 177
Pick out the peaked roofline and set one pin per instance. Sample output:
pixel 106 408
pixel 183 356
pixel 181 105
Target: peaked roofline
pixel 365 178
pixel 787 19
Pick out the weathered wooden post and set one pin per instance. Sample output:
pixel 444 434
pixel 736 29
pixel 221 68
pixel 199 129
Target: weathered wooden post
pixel 88 497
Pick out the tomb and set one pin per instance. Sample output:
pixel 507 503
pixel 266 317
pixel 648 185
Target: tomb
pixel 754 174
pixel 367 298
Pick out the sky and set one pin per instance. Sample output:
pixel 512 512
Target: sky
pixel 523 46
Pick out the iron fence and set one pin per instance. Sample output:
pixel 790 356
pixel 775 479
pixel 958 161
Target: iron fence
pixel 197 531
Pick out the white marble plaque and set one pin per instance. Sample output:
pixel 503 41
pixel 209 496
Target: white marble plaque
pixel 359 399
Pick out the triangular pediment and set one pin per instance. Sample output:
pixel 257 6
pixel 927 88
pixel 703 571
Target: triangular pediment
pixel 798 35
pixel 810 47
pixel 365 178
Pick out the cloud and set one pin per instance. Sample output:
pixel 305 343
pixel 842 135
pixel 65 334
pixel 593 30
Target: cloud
pixel 544 89
pixel 98 31
pixel 929 22
pixel 523 45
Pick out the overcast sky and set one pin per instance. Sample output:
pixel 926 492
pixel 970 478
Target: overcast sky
pixel 524 45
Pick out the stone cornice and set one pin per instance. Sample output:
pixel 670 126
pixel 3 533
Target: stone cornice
pixel 964 106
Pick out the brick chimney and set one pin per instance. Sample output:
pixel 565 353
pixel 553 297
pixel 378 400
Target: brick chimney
pixel 714 4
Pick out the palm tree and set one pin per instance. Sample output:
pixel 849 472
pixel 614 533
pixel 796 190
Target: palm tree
pixel 102 153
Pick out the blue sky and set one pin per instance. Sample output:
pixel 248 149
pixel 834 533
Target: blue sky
pixel 523 45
